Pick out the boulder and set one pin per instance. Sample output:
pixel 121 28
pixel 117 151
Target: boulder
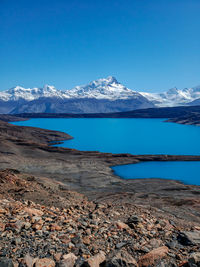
pixel 2 226
pixel 96 260
pixel 121 258
pixel 155 243
pixel 195 259
pixel 121 225
pixel 133 219
pixel 57 256
pixel 67 261
pixel 29 261
pixel 33 211
pixel 151 257
pixel 189 238
pixel 45 262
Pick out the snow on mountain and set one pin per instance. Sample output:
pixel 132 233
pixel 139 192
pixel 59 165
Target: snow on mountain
pixel 102 95
pixel 108 88
pixel 104 89
pixel 173 97
pixel 29 94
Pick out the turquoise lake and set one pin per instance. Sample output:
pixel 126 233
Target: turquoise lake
pixel 135 136
pixel 187 172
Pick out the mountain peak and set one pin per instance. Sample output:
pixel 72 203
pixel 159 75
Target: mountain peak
pixel 112 79
pixel 49 88
pixel 196 88
pixel 102 82
pixel 16 89
pixel 173 90
pixel 104 88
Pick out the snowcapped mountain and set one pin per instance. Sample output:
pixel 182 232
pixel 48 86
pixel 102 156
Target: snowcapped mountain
pixel 29 94
pixel 108 88
pixel 102 95
pixel 174 97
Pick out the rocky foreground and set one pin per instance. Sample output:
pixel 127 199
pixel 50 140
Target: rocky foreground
pixel 74 231
pixel 65 207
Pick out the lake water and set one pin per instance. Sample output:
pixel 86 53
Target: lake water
pixel 135 136
pixel 187 172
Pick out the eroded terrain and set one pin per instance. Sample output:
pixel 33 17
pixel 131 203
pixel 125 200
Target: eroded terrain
pixel 78 184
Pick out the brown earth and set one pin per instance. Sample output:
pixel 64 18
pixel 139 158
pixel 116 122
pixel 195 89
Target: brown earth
pixel 49 176
pixel 26 149
pixel 43 224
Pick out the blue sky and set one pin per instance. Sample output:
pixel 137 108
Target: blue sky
pixel 149 45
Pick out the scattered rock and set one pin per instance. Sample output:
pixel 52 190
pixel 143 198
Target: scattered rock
pixel 2 226
pixel 32 211
pixel 32 234
pixel 55 227
pixel 57 256
pixel 134 219
pixel 121 258
pixel 187 238
pixel 96 260
pixel 45 262
pixel 4 262
pixel 17 225
pixel 155 243
pixel 122 225
pixel 195 258
pixel 120 245
pixel 172 244
pixel 68 260
pixel 151 257
pixel 29 260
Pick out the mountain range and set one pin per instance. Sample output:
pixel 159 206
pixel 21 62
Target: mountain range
pixel 100 96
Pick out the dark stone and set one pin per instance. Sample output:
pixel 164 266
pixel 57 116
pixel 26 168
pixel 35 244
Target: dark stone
pixel 172 244
pixel 120 245
pixel 187 238
pixel 120 259
pixel 132 221
pixel 172 222
pixel 75 240
pixel 189 264
pixel 194 259
pixel 5 262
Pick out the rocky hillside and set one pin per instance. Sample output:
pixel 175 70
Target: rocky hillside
pixel 182 114
pixel 64 207
pixel 44 224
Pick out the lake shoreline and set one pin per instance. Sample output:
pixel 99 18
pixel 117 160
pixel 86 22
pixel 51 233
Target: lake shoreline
pixel 189 115
pixel 168 170
pixel 90 172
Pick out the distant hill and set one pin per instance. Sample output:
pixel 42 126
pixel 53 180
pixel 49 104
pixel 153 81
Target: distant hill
pixel 168 112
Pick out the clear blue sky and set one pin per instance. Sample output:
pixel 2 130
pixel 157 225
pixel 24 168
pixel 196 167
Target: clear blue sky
pixel 149 45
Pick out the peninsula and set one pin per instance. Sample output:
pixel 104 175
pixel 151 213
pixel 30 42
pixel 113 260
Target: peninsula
pixel 32 170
